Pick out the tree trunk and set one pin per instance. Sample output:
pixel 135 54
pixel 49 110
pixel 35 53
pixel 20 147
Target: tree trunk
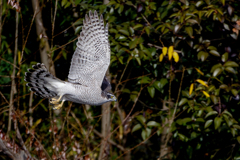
pixel 44 45
pixel 106 126
pixel 13 85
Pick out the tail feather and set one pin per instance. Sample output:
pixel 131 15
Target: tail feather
pixel 41 81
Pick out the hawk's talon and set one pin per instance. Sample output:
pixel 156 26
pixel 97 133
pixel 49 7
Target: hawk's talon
pixel 54 100
pixel 58 106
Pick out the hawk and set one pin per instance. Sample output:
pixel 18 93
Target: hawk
pixel 87 83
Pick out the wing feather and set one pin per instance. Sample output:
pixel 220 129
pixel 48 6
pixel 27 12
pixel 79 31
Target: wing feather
pixel 92 55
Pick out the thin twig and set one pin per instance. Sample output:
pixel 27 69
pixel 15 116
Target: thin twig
pixel 158 47
pixel 175 108
pixel 109 140
pixel 9 63
pixel 24 45
pixel 53 22
pixel 32 134
pixel 66 117
pixel 4 97
pixel 18 134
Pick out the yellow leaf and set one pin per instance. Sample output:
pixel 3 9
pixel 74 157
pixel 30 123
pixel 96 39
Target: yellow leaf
pixel 170 52
pixel 199 71
pixel 202 82
pixel 191 88
pixel 206 94
pixel 36 123
pixel 164 51
pixel 19 57
pixel 161 57
pixel 175 56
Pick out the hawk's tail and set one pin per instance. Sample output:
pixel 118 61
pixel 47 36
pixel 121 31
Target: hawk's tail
pixel 42 82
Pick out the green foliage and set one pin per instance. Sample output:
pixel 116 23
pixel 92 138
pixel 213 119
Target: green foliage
pixel 194 102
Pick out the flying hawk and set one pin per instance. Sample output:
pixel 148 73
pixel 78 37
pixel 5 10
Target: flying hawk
pixel 87 83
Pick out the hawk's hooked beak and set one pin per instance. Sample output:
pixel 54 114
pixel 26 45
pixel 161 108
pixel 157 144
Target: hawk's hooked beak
pixel 114 98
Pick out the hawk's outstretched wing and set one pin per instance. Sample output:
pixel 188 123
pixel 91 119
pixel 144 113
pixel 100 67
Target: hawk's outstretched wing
pixel 91 58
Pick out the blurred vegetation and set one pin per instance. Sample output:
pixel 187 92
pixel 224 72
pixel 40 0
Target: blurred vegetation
pixel 174 68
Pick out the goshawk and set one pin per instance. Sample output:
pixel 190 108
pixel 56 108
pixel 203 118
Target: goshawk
pixel 87 83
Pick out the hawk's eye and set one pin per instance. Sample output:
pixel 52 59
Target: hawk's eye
pixel 109 96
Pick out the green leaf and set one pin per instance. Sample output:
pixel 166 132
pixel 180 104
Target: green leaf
pixel 193 135
pixel 136 127
pixel 157 85
pixel 181 136
pixel 77 30
pixel 215 67
pixel 138 60
pixel 129 3
pixel 111 3
pixel 165 3
pixel 189 31
pixel 217 122
pixel 236 126
pixel 230 70
pixel 63 2
pixel 200 112
pixel 141 119
pixel 123 31
pixel 177 28
pixel 200 120
pixel 227 113
pixel 199 3
pixel 148 130
pixel 182 101
pixel 147 29
pixel 217 72
pixel 133 44
pixel 163 82
pixel 144 80
pixel 67 5
pixel 223 86
pixel 231 64
pixel 144 134
pixel 186 120
pixel 212 48
pixel 125 90
pixel 233 131
pixel 122 38
pixel 153 124
pixel 238 139
pixel 214 99
pixel 202 55
pixel 228 121
pixel 225 57
pixel 234 92
pixel 208 123
pixel 211 113
pixel 151 91
pixel 120 9
pixel 137 26
pixel 131 30
pixel 215 53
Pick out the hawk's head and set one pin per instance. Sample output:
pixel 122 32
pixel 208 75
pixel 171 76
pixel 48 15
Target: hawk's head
pixel 109 97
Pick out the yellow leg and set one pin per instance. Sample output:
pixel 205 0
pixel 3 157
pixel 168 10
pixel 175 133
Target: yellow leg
pixel 58 106
pixel 55 101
